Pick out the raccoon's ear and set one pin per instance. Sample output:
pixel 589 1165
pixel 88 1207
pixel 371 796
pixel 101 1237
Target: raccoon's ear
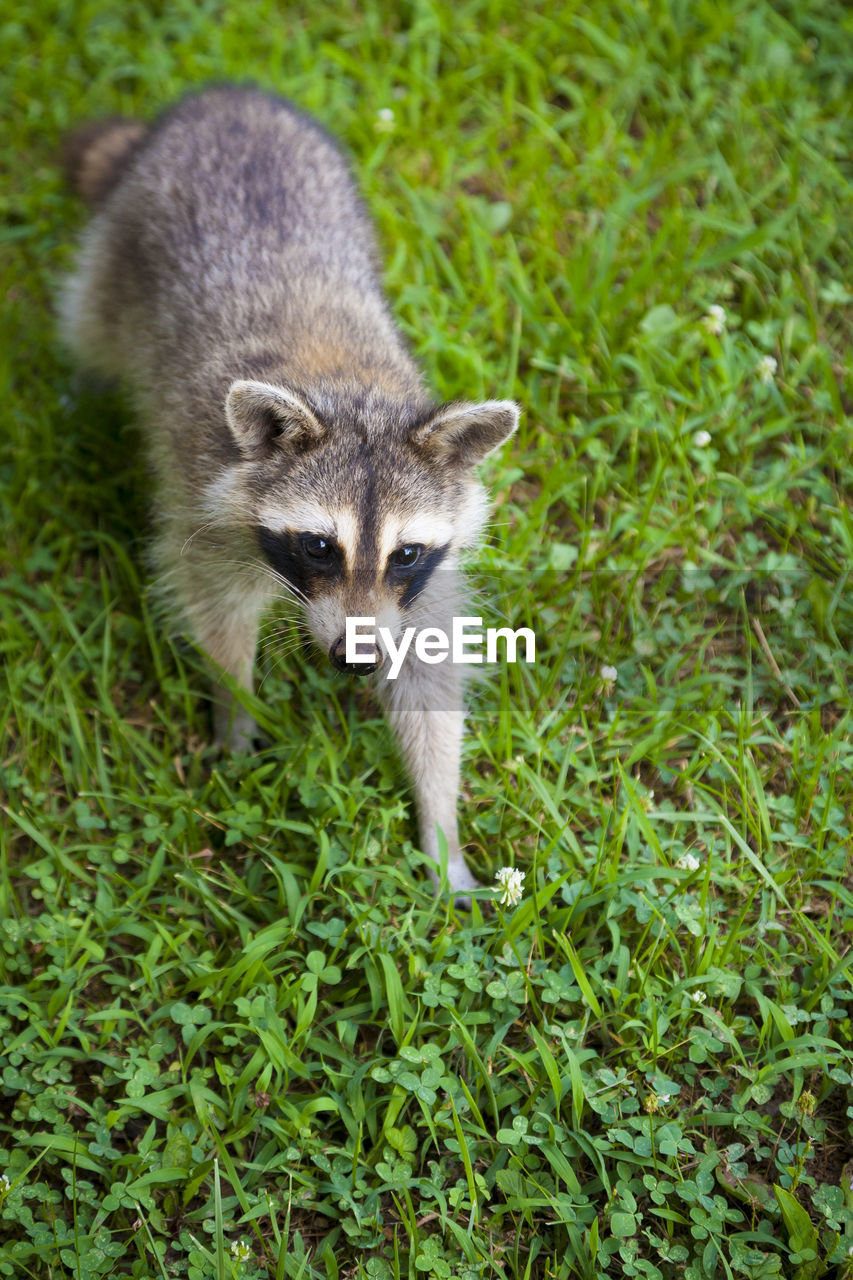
pixel 466 433
pixel 263 417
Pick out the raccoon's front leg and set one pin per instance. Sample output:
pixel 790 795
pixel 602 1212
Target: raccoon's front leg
pixel 233 726
pixel 424 709
pixel 228 634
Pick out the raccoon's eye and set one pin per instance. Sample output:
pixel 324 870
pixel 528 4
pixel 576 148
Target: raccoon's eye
pixel 407 557
pixel 318 548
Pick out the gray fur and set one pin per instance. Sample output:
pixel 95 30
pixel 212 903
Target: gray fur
pixel 230 278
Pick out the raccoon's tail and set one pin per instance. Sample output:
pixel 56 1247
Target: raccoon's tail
pixel 95 154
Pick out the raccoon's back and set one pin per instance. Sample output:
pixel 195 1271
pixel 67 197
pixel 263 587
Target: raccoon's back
pixel 236 176
pixel 235 217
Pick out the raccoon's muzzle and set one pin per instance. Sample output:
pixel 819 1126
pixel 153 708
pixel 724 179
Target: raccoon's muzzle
pixel 338 656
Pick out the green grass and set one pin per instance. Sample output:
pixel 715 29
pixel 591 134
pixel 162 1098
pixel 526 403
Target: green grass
pixel 230 1007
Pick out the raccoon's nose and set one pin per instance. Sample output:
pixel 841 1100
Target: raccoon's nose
pixel 338 655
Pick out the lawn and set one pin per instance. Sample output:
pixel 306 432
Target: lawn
pixel 240 1036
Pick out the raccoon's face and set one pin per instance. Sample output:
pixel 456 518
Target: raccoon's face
pixel 361 523
pixel 362 562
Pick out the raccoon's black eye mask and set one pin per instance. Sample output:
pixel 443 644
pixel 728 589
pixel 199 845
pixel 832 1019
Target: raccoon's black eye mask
pixel 410 568
pixel 305 560
pixel 309 562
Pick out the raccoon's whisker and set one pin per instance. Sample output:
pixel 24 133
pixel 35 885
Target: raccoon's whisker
pixel 274 660
pixel 280 620
pixel 263 567
pixel 201 529
pixel 227 509
pixel 487 605
pixel 276 663
pixel 290 638
pixel 280 625
pixel 226 520
pixel 278 643
pixel 275 655
pixel 258 566
pixel 489 534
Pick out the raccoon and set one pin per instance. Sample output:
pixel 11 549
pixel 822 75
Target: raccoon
pixel 230 278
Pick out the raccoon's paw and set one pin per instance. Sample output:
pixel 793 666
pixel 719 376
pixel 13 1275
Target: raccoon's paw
pixel 242 741
pixel 235 731
pixel 460 880
pixel 460 877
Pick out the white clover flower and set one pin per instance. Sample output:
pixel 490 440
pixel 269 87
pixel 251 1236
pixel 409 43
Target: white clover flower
pixel 608 673
pixel 698 996
pixel 766 368
pixel 384 122
pixel 241 1251
pixel 510 882
pixel 5 1184
pixel 688 862
pixel 715 320
pixel 701 439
